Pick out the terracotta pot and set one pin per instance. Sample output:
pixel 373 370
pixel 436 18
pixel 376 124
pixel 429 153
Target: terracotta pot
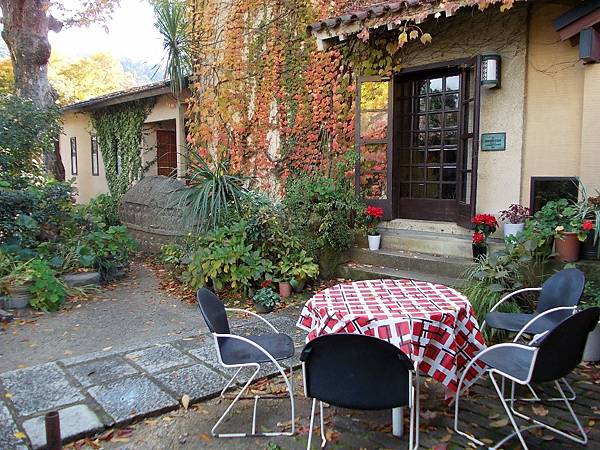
pixel 297 285
pixel 567 247
pixel 285 289
pixel 479 251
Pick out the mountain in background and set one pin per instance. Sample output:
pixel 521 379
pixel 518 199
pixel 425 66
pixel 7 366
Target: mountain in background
pixel 142 71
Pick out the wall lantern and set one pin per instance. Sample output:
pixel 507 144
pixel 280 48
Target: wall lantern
pixel 490 70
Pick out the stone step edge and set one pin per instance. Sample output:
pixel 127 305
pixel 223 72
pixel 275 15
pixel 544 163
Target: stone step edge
pixel 350 270
pixel 406 254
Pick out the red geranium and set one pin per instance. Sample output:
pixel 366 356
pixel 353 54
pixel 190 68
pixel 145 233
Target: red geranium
pixel 588 225
pixel 478 238
pixel 375 212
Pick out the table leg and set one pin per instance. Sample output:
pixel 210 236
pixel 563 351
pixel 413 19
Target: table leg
pixel 398 422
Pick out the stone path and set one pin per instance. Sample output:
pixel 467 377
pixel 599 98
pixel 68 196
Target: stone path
pixel 111 388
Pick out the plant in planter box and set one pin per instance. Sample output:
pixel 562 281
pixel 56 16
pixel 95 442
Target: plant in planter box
pixel 515 217
pixel 16 280
pixel 590 210
pixel 484 225
pixel 265 300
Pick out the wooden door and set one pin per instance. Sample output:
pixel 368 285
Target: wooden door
pixel 166 152
pixel 426 141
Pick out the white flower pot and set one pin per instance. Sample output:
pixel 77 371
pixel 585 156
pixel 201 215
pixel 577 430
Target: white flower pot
pixel 592 347
pixel 512 229
pixel 374 242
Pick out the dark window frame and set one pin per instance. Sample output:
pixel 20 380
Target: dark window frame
pixel 532 191
pixel 73 146
pixel 95 157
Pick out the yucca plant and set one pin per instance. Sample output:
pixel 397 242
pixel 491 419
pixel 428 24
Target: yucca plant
pixel 211 193
pixel 172 24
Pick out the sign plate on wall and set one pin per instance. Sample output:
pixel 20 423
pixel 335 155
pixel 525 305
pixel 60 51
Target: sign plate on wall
pixel 493 142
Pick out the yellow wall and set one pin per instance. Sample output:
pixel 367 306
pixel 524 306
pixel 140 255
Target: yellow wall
pixel 77 124
pixel 562 132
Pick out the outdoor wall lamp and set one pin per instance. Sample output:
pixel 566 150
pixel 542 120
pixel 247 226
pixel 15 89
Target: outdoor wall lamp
pixel 490 70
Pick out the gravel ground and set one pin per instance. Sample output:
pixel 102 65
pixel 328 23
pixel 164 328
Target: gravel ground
pixel 130 312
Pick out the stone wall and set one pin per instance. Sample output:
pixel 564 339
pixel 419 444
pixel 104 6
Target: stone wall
pixel 151 214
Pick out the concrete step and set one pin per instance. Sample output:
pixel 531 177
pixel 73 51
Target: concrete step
pixel 452 267
pixel 429 242
pixel 425 225
pixel 356 271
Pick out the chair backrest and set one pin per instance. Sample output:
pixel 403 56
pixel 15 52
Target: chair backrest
pixel 357 372
pixel 564 288
pixel 213 311
pixel 561 349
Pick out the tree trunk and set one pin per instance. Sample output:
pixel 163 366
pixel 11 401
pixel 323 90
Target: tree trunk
pixel 25 30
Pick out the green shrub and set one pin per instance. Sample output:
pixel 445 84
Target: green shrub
pixel 323 212
pixel 226 258
pixel 105 209
pixel 110 249
pixel 266 297
pixel 48 291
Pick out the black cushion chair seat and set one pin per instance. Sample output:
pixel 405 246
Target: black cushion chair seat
pixel 235 351
pixel 512 360
pixel 516 321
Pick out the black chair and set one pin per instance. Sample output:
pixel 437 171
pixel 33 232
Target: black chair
pixel 359 372
pixel 234 351
pixel 560 292
pixel 547 359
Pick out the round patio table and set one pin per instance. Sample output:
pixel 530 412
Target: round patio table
pixel 433 324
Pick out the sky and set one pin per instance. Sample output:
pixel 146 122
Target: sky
pixel 131 34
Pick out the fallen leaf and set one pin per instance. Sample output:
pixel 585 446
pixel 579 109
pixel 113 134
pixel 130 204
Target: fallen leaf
pixel 499 423
pixel 205 437
pixel 22 366
pixel 185 401
pixel 446 438
pixel 8 395
pixel 105 349
pixel 20 435
pixel 540 410
pixel 428 415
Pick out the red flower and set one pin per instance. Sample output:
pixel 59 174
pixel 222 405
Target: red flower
pixel 588 225
pixel 375 212
pixel 478 237
pixel 266 283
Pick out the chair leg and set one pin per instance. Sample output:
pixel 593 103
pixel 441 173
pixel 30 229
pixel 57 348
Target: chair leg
pixel 582 439
pixel 323 437
pixel 230 382
pixel 312 421
pixel 510 415
pixel 417 409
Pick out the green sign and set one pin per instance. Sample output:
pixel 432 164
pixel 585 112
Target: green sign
pixel 493 142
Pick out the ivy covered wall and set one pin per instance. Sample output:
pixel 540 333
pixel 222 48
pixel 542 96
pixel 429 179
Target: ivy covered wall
pixel 263 95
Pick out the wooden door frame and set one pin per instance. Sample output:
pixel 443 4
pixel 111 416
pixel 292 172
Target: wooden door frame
pixel 174 133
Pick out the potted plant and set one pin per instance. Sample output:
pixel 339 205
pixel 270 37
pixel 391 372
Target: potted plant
pixel 570 231
pixel 298 267
pixel 514 218
pixel 372 219
pixel 17 284
pixel 265 300
pixel 591 298
pixel 484 225
pixel 590 249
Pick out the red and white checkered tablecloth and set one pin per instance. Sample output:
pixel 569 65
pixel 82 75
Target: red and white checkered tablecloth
pixel 433 324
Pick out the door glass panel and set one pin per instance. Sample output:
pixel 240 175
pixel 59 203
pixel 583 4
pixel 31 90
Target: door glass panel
pixel 450 138
pixel 435 103
pixel 451 119
pixel 433 190
pixel 435 120
pixel 451 101
pixel 418 156
pixel 433 174
pixel 434 156
pixel 418 173
pixel 374 95
pixel 418 190
pixel 373 124
pixel 373 171
pixel 449 191
pixel 449 156
pixel 452 83
pixel 434 138
pixel 449 174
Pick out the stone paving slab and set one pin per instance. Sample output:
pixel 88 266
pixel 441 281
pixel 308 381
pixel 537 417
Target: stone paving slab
pixel 75 421
pixel 39 388
pixel 197 381
pixel 159 358
pixel 132 397
pixel 119 385
pixel 101 371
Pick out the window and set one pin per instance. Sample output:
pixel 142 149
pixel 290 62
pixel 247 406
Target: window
pixel 545 189
pixel 73 156
pixel 95 168
pixel 118 159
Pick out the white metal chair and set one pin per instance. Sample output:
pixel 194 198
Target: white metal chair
pixel 549 358
pixel 234 351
